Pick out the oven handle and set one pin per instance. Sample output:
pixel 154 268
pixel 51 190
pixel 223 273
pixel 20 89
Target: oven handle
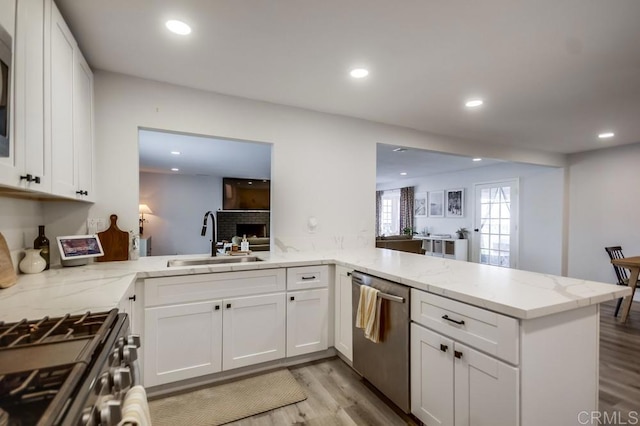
pixel 135 373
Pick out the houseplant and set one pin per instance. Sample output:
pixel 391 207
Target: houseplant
pixel 462 233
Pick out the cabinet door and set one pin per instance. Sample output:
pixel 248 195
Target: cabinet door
pixel 254 330
pixel 29 91
pixel 83 126
pixel 343 313
pixel 182 341
pixel 486 390
pixel 432 377
pixel 11 161
pixel 59 111
pixel 127 306
pixel 307 321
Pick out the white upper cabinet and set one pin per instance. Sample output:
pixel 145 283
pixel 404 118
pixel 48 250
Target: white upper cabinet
pixel 59 66
pixel 51 145
pixel 83 127
pixel 29 100
pixel 11 159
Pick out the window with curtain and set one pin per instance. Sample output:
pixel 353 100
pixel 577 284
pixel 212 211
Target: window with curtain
pixel 406 207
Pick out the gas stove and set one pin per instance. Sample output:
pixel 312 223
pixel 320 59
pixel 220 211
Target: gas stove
pixel 71 370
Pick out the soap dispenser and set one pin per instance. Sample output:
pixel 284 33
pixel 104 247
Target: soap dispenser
pixel 244 244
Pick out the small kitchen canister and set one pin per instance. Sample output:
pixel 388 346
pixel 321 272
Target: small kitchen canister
pixel 32 263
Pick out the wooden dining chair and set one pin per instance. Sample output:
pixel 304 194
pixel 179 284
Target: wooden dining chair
pixel 615 252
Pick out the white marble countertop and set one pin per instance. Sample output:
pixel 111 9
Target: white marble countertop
pixel 520 294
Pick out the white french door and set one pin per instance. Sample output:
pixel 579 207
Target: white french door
pixel 495 239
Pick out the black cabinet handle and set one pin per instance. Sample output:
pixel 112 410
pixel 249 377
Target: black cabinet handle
pixel 228 305
pixel 312 277
pixel 476 230
pixel 82 192
pixel 348 274
pixel 30 178
pixel 292 298
pixel 446 317
pixel 133 298
pixel 217 307
pixel 443 348
pixel 457 354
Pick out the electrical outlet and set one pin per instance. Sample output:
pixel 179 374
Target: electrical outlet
pixel 95 225
pixel 92 226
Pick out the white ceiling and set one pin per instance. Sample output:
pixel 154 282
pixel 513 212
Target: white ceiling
pixel 203 156
pixel 418 163
pixel 553 73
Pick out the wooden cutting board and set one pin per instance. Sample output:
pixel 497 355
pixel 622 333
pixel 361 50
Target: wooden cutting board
pixel 115 242
pixel 7 272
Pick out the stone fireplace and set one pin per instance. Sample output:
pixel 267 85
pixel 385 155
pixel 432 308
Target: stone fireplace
pixel 251 223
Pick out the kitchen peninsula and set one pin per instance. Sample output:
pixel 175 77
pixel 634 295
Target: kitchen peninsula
pixel 554 320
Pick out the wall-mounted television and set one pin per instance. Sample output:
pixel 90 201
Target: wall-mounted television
pixel 245 194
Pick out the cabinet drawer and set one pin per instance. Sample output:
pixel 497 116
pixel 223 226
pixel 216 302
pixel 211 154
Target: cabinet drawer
pixel 487 331
pixel 194 288
pixel 307 277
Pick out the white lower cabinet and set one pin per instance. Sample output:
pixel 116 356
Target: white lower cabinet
pixel 343 328
pixel 195 339
pixel 182 341
pixel 253 330
pixel 453 384
pixel 307 321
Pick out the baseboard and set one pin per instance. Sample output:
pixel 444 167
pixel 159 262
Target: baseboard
pixel 182 386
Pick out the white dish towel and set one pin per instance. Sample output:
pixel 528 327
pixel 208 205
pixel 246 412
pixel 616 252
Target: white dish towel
pixel 135 409
pixel 368 315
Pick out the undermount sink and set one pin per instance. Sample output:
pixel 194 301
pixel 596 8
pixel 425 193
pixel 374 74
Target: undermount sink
pixel 212 260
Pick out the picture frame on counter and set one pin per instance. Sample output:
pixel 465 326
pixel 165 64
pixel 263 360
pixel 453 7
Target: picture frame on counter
pixel 455 202
pixel 420 205
pixel 436 204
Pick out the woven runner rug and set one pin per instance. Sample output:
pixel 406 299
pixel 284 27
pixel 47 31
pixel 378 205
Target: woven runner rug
pixel 229 402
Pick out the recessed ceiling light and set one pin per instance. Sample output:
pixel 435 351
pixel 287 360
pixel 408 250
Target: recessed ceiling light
pixel 400 150
pixel 474 103
pixel 477 159
pixel 178 27
pixel 359 73
pixel 403 173
pixel 250 183
pixel 175 169
pixel 175 152
pixel 606 135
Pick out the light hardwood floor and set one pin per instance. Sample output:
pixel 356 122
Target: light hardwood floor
pixel 620 364
pixel 337 395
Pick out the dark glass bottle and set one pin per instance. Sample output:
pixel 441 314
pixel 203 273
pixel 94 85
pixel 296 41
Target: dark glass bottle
pixel 42 242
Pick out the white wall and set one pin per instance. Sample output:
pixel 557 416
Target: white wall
pixel 541 207
pixel 322 165
pixel 19 220
pixel 178 203
pixel 604 209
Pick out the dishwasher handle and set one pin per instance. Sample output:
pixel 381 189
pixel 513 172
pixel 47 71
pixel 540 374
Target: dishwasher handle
pixel 361 279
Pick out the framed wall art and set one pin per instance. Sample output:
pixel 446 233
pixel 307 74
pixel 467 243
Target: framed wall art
pixel 436 204
pixel 420 205
pixel 455 202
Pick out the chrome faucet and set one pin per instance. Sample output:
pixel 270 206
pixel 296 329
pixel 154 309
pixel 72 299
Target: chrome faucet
pixel 214 252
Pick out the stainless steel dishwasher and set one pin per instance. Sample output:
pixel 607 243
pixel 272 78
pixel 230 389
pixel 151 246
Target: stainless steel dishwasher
pixel 385 364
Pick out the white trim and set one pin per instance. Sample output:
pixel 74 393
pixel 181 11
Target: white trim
pixel 515 214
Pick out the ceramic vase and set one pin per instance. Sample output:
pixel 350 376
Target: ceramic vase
pixel 32 262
